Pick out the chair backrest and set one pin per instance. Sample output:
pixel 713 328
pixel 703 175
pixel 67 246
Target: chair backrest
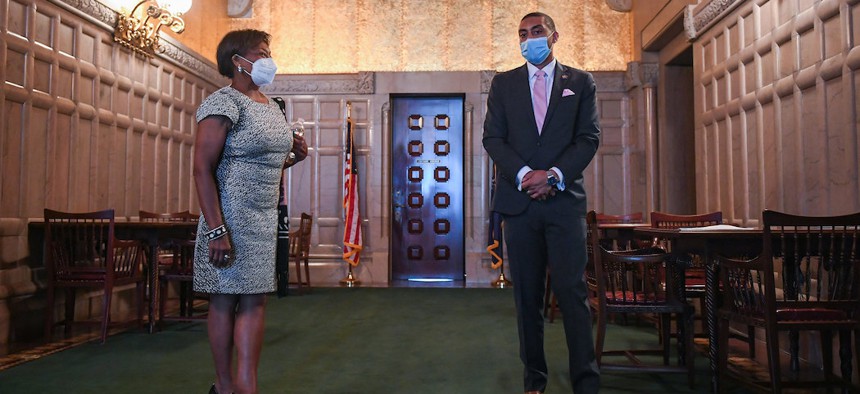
pixel 629 278
pixel 636 278
pixel 181 257
pixel 300 240
pixel 817 259
pixel 635 217
pixel 174 246
pixel 807 263
pixel 668 220
pixel 620 242
pixel 306 226
pixel 184 216
pixel 79 244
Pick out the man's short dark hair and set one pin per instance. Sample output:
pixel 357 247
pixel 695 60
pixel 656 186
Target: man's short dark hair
pixel 237 42
pixel 547 20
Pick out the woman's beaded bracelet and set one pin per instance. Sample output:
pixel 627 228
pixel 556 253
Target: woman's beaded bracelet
pixel 216 232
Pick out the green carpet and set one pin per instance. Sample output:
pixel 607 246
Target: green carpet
pixel 333 340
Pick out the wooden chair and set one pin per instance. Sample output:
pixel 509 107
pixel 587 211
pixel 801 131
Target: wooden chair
pixel 669 220
pixel 175 264
pixel 82 252
pixel 181 271
pixel 627 218
pixel 640 282
pixel 816 260
pixel 550 303
pixel 300 247
pixel 166 249
pixel 183 216
pixel 694 282
pixel 635 217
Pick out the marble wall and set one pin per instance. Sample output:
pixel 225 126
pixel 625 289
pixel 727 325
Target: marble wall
pixel 773 95
pixel 348 36
pixel 777 86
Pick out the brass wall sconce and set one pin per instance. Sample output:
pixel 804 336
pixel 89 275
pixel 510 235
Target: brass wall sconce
pixel 138 30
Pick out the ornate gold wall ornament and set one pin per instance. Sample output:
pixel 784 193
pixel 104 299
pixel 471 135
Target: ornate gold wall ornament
pixel 139 29
pixel 698 18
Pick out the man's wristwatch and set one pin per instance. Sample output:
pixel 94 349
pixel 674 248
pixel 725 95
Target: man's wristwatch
pixel 551 179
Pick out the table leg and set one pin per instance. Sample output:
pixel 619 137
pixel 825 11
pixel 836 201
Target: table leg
pixel 153 284
pixel 711 283
pixel 845 354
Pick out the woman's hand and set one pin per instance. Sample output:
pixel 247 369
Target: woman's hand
pixel 300 148
pixel 221 252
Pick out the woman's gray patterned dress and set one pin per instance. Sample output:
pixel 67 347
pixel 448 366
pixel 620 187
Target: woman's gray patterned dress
pixel 248 179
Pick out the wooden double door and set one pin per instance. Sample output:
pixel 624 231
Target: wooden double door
pixel 427 217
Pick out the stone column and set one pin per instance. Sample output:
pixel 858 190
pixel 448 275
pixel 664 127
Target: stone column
pixel 642 86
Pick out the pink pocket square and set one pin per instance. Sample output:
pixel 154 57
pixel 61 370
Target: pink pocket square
pixel 567 92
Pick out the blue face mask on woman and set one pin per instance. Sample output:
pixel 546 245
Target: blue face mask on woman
pixel 535 50
pixel 263 72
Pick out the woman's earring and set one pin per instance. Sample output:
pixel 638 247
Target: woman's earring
pixel 241 69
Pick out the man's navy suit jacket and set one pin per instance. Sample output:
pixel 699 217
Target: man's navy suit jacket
pixel 568 141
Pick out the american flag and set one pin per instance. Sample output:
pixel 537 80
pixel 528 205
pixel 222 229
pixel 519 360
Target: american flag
pixel 352 243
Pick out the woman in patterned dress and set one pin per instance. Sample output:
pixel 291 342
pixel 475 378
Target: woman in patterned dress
pixel 240 151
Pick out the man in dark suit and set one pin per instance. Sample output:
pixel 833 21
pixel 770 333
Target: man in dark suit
pixel 541 130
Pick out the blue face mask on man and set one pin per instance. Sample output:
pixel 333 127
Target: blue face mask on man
pixel 535 50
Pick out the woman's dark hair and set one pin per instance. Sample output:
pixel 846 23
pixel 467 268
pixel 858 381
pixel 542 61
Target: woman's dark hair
pixel 237 42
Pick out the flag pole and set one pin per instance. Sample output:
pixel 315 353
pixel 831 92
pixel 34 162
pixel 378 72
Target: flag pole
pixel 501 282
pixel 350 280
pixel 496 242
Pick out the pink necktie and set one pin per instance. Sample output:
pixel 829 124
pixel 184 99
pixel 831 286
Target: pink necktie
pixel 540 99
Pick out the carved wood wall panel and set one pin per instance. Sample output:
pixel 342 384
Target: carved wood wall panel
pixel 611 178
pixel 777 115
pixel 100 127
pixel 316 184
pixel 86 126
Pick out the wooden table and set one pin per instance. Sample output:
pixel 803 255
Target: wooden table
pixel 620 233
pixel 152 234
pixel 745 242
